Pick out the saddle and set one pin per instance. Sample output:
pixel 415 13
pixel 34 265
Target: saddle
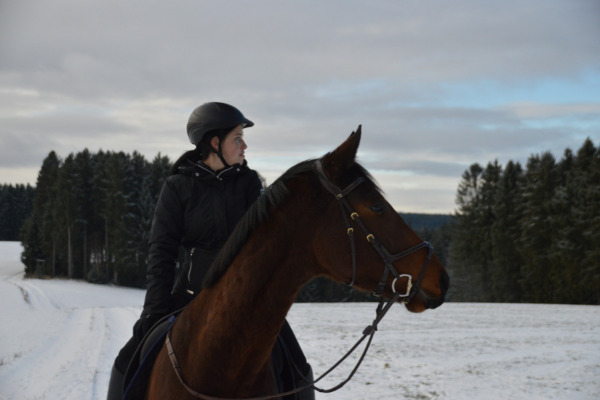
pixel 286 356
pixel 140 366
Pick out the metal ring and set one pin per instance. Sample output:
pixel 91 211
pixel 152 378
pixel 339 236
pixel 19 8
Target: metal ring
pixel 408 284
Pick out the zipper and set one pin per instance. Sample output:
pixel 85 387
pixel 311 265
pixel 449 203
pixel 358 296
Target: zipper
pixel 222 172
pixel 210 171
pixel 190 270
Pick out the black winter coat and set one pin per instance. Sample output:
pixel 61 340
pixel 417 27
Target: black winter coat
pixel 197 209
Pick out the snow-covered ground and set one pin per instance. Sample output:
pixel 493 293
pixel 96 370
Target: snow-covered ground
pixel 58 340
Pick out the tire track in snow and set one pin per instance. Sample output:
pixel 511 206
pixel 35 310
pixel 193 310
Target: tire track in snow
pixel 34 295
pixel 118 323
pixel 55 365
pixel 73 360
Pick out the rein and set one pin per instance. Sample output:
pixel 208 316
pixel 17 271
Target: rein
pixel 382 307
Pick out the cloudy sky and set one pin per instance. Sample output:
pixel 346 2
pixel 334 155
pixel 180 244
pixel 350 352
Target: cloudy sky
pixel 437 85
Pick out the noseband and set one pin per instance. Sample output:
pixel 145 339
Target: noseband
pixel 387 258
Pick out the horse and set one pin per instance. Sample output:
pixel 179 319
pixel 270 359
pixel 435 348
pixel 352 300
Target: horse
pixel 305 225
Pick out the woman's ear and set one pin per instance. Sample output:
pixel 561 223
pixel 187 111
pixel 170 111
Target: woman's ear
pixel 214 142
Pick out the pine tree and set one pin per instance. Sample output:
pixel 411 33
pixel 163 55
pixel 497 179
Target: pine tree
pixel 84 210
pixel 98 227
pixel 65 194
pixel 563 253
pixel 116 213
pixel 540 183
pixel 463 250
pixel 586 217
pixel 505 259
pixel 140 207
pixel 39 236
pixel 484 221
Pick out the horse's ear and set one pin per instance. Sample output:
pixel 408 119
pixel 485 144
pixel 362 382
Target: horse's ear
pixel 336 162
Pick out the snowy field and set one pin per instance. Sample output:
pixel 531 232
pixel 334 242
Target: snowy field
pixel 58 340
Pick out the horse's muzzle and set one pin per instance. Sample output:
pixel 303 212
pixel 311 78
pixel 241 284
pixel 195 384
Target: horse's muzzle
pixel 444 285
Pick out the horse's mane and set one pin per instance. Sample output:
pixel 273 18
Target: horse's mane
pixel 258 213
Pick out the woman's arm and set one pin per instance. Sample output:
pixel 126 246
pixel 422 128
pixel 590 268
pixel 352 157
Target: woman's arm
pixel 165 238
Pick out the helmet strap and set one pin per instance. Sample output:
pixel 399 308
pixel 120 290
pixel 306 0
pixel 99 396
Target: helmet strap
pixel 220 154
pixel 223 160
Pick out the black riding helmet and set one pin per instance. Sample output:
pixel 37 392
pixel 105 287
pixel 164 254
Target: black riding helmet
pixel 214 116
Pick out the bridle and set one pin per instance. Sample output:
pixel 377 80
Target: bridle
pixel 386 256
pixel 382 307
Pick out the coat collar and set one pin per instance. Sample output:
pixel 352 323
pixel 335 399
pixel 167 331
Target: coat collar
pixel 203 171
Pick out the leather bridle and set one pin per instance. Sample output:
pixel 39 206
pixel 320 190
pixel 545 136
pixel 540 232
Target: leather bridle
pixel 387 258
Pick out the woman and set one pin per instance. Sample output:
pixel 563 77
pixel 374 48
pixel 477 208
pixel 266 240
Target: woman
pixel 209 190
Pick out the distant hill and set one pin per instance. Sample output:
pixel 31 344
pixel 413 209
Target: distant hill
pixel 418 222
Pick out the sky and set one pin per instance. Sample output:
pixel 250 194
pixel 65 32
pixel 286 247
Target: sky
pixel 436 85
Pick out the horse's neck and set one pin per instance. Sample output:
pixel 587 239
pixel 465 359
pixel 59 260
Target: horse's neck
pixel 233 325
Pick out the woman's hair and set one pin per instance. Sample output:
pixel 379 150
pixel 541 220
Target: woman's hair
pixel 202 150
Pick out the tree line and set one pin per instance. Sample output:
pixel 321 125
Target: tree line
pixel 518 235
pixel 529 234
pixel 90 219
pixel 91 216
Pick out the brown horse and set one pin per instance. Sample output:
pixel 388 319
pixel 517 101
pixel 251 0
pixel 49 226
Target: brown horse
pixel 224 338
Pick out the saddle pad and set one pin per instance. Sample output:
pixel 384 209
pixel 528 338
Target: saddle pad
pixel 138 371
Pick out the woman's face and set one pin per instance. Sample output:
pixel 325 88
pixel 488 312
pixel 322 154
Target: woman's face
pixel 233 146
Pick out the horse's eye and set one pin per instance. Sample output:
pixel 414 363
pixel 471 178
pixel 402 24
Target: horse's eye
pixel 377 208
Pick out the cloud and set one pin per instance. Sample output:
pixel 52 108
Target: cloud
pixel 436 87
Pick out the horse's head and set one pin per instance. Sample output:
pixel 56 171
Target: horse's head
pixel 380 253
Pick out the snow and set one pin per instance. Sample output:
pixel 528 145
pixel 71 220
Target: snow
pixel 58 339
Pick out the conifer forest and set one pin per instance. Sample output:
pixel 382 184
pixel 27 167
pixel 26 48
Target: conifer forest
pixel 519 233
pixel 529 234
